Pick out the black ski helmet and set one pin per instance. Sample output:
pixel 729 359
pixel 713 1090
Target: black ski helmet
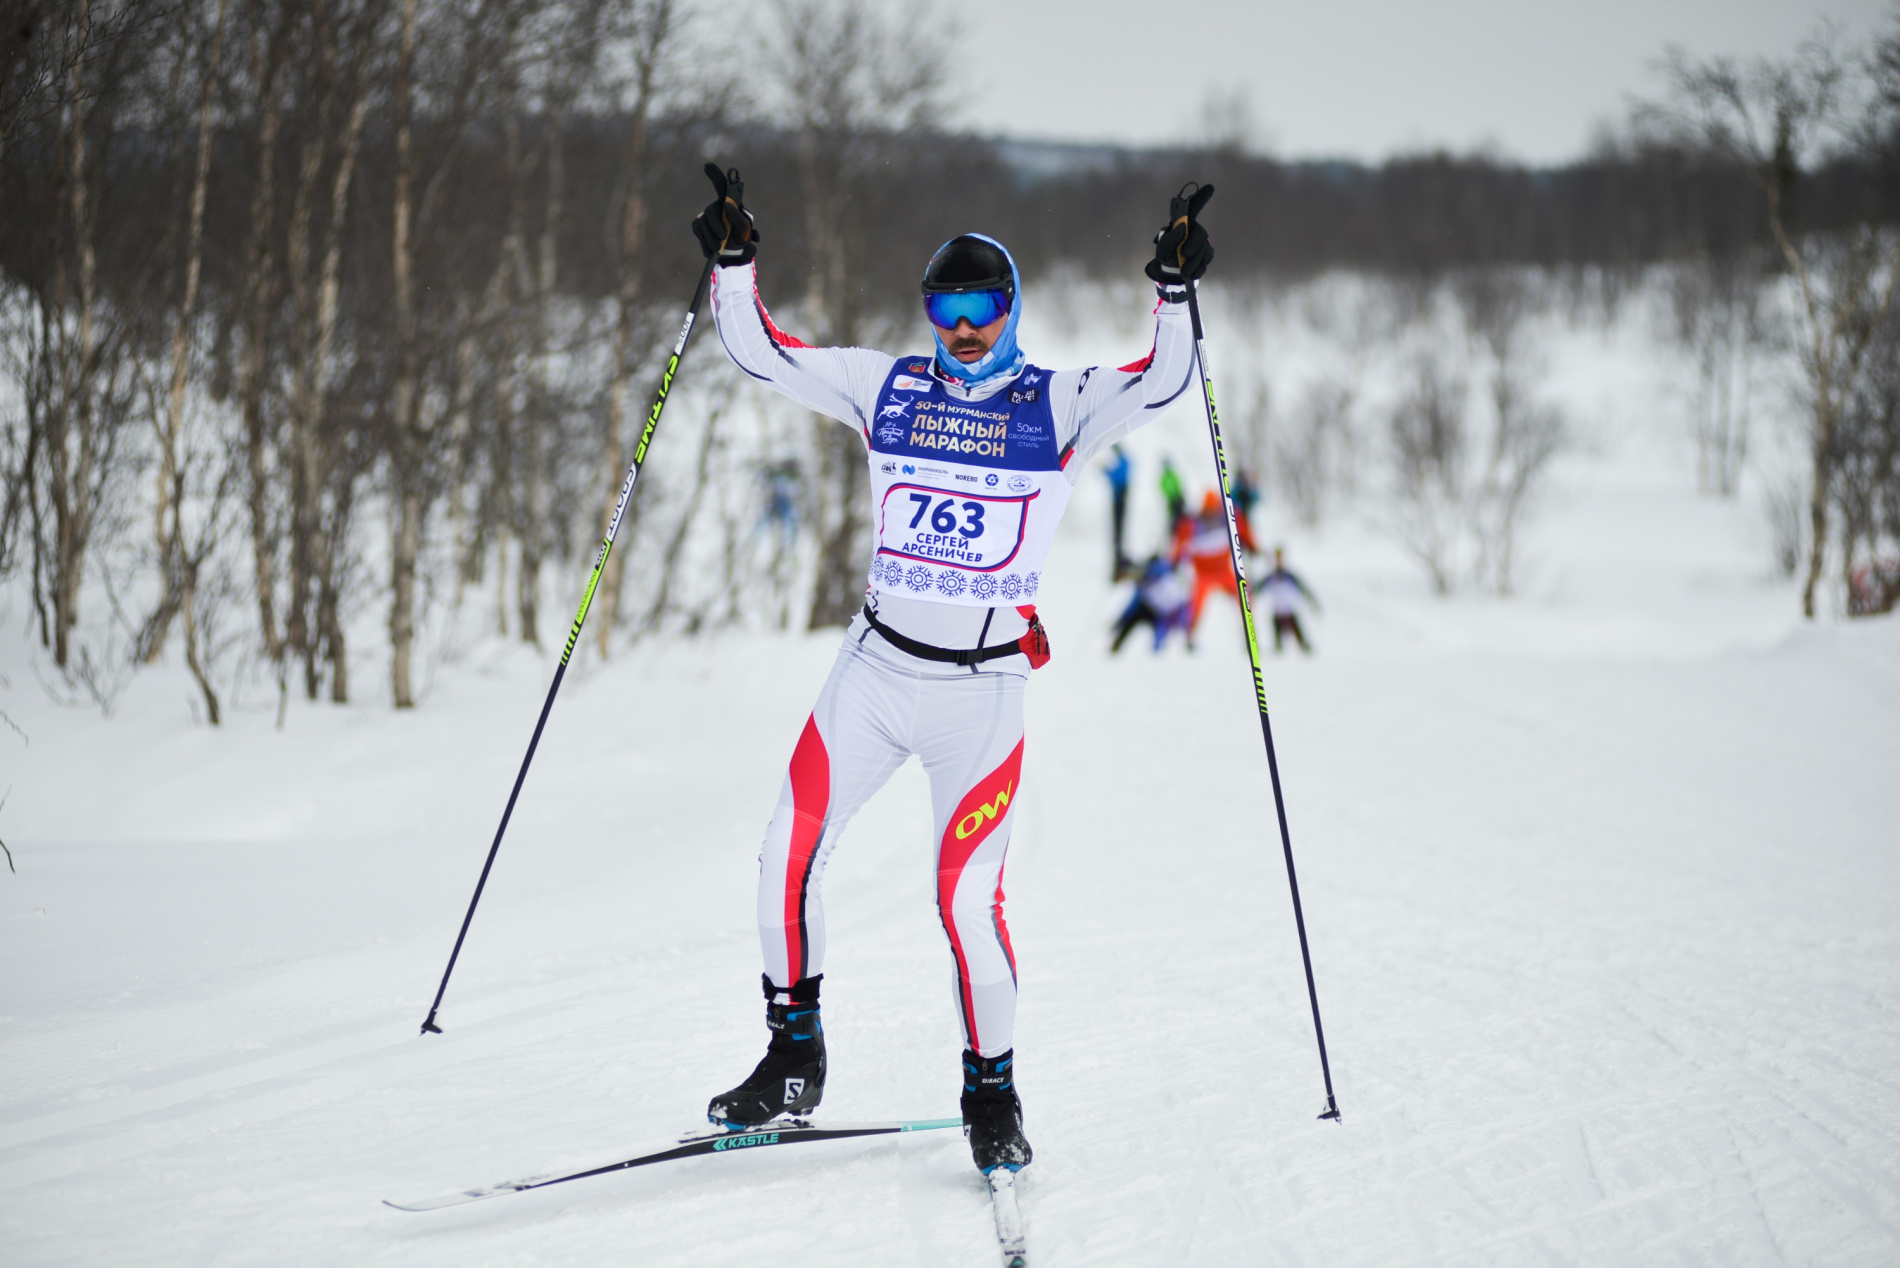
pixel 969 263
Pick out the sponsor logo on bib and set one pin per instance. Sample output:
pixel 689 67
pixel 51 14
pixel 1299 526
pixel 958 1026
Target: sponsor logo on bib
pixel 904 383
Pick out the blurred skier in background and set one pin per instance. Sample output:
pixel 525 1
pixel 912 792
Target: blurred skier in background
pixel 780 513
pixel 1286 592
pixel 1202 542
pixel 1160 601
pixel 1173 495
pixel 1116 469
pixel 1246 493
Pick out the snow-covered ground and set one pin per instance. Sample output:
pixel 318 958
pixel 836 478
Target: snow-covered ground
pixel 1603 884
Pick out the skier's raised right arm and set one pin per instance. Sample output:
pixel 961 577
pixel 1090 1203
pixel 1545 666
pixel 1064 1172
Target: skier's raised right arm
pixel 842 383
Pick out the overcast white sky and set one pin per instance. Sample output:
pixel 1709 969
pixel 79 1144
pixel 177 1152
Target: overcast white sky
pixel 1349 78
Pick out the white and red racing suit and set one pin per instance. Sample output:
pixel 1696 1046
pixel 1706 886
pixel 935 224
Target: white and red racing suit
pixel 969 483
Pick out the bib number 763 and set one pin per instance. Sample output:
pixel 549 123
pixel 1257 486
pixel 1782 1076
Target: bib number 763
pixel 944 518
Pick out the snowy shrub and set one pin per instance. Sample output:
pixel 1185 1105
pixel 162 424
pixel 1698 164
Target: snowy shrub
pixel 1720 318
pixel 1313 455
pixel 1467 465
pixel 1865 460
pixel 1784 512
pixel 1427 432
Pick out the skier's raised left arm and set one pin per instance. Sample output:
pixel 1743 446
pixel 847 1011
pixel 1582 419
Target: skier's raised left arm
pixel 1098 406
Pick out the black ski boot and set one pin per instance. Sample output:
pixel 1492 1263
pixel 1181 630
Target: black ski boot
pixel 992 1113
pixel 791 1078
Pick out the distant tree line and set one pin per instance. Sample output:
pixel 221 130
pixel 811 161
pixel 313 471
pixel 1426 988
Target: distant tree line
pixel 279 277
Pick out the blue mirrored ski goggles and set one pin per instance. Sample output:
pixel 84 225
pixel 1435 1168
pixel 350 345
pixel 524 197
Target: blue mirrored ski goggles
pixel 980 308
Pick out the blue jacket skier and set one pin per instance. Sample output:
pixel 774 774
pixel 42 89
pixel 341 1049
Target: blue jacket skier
pixel 1160 600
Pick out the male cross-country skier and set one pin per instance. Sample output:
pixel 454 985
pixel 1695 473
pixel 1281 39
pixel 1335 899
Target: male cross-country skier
pixel 973 453
pixel 1285 591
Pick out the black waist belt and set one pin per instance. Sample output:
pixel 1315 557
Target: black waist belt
pixel 949 655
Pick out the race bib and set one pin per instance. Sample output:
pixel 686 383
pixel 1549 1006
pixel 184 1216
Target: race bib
pixel 968 493
pixel 973 531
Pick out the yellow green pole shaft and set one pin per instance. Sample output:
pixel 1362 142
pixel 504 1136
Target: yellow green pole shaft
pixel 573 635
pixel 1259 682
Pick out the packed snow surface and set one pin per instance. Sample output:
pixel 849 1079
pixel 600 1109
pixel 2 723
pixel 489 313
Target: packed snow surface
pixel 1602 883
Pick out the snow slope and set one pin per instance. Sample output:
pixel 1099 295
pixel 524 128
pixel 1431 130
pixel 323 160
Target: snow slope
pixel 1603 885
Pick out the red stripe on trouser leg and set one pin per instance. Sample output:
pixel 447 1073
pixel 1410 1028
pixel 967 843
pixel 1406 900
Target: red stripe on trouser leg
pixel 980 813
pixel 811 796
pixel 1002 926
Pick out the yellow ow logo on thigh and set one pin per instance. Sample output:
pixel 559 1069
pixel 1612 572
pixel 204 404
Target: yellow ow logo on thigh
pixel 974 821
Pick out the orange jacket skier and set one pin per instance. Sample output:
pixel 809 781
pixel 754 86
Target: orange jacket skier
pixel 1202 541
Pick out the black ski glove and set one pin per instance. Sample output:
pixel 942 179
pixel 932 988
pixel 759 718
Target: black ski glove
pixel 1182 250
pixel 725 228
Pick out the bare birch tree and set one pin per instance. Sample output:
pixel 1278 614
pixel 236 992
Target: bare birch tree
pixel 850 75
pixel 481 36
pixel 1524 433
pixel 322 482
pixel 80 386
pixel 1721 319
pixel 649 34
pixel 168 508
pixel 1779 118
pixel 258 294
pixel 1867 480
pixel 1429 448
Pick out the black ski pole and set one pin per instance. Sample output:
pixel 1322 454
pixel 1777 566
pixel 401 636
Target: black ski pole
pixel 1186 206
pixel 587 596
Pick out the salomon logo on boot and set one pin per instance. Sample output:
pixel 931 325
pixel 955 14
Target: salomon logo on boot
pixel 791 1078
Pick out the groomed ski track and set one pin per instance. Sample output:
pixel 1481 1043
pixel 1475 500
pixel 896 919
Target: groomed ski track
pixel 1602 884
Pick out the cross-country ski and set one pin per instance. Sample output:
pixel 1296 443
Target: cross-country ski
pixel 693 1145
pixel 1010 1238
